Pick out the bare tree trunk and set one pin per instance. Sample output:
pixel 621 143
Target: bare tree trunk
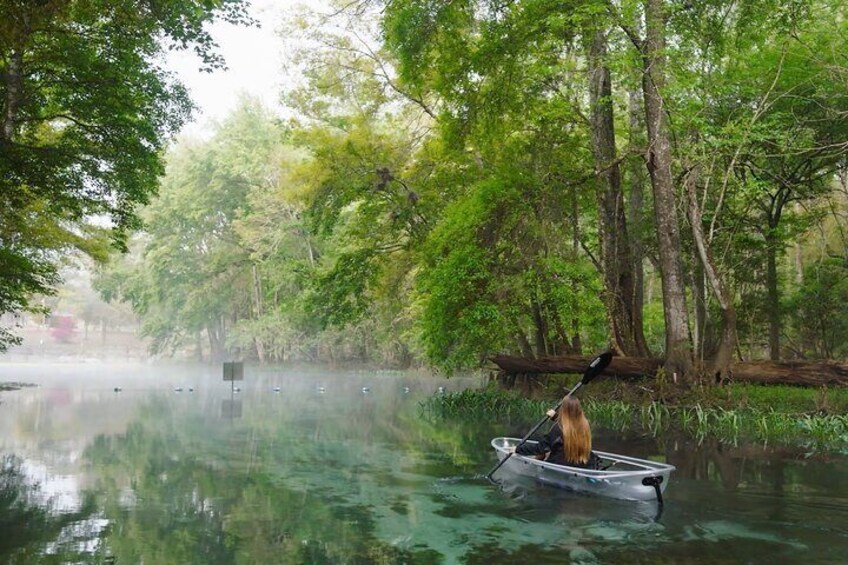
pixel 257 300
pixel 772 295
pixel 678 343
pixel 217 337
pixel 635 219
pixel 805 373
pixel 720 365
pixel 14 93
pixel 524 344
pixel 699 297
pixel 198 347
pixel 562 344
pixel 540 329
pixel 798 252
pixel 617 264
pixel 576 341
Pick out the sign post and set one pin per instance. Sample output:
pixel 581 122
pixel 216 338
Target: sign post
pixel 233 371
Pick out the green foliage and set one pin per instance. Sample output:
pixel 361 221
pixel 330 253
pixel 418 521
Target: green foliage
pixel 193 273
pixel 484 261
pixel 460 311
pixel 817 310
pixel 87 111
pixel 437 199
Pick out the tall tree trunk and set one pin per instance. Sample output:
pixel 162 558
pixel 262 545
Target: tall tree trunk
pixel 635 219
pixel 576 341
pixel 562 345
pixel 772 295
pixel 524 345
pixel 14 93
pixel 198 347
pixel 540 328
pixel 617 264
pixel 678 343
pixel 217 337
pixel 257 300
pixel 699 328
pixel 720 365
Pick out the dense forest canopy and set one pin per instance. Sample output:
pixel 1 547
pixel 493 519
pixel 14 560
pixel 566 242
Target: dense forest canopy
pixel 468 178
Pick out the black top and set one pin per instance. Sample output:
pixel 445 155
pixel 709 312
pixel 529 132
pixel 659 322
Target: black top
pixel 552 443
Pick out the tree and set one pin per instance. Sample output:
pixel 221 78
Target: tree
pixel 817 311
pixel 502 63
pixel 193 274
pixel 86 112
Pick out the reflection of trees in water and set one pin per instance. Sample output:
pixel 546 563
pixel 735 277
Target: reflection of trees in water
pixel 28 523
pixel 772 473
pixel 200 498
pixel 771 469
pixel 729 464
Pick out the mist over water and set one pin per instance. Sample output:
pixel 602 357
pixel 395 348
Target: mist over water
pixel 313 466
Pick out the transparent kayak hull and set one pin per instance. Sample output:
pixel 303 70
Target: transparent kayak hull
pixel 626 478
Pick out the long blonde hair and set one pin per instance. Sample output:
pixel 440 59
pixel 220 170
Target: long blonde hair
pixel 576 436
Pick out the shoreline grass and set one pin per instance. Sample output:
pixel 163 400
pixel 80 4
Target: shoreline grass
pixel 736 413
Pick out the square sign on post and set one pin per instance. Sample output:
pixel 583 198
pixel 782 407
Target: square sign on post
pixel 233 371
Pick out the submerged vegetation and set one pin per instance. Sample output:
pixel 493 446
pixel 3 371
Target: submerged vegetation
pixel 817 420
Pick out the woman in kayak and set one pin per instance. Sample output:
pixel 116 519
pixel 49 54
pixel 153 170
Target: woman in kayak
pixel 569 442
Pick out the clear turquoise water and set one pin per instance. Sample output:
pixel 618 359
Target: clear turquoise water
pixel 337 475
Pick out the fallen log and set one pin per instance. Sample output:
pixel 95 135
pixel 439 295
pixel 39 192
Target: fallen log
pixel 804 373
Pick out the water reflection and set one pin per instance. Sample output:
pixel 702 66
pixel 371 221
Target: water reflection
pixel 231 408
pixel 311 470
pixel 33 523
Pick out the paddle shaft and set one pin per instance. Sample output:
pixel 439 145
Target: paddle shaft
pixel 533 431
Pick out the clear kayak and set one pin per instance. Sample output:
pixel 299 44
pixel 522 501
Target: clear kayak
pixel 620 476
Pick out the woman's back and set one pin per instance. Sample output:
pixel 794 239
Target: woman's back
pixel 569 442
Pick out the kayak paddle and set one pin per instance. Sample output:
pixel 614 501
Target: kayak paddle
pixel 594 369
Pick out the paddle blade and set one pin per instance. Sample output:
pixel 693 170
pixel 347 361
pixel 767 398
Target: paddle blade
pixel 597 366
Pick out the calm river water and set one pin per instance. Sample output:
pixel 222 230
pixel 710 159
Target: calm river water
pixel 322 471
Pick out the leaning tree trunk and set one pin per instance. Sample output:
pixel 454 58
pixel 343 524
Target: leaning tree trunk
pixel 617 265
pixel 678 361
pixel 720 364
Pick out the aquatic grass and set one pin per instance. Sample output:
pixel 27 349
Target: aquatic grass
pixel 655 417
pixel 727 424
pixel 475 404
pixel 613 414
pixel 694 420
pixel 817 431
pixel 762 428
pixel 821 430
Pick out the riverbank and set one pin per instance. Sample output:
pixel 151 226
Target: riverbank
pixel 5 387
pixel 816 419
